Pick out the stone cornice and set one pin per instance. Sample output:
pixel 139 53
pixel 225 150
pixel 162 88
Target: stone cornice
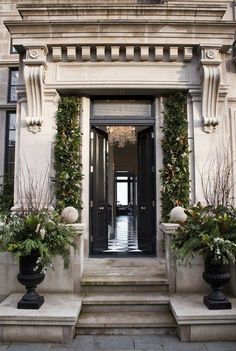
pixel 122 32
pixel 10 63
pixel 190 10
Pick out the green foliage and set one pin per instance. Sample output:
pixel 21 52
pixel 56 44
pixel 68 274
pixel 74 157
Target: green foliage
pixel 209 231
pixel 6 194
pixel 22 233
pixel 68 154
pixel 175 172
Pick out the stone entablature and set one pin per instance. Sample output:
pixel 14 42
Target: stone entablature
pixel 122 53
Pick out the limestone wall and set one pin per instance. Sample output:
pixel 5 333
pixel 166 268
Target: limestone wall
pixel 7 12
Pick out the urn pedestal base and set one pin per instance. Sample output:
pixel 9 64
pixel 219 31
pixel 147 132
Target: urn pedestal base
pixel 224 304
pixel 30 304
pixel 216 275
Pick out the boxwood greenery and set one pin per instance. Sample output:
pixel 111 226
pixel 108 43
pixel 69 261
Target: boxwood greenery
pixel 175 171
pixel 67 151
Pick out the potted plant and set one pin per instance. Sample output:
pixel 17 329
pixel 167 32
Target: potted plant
pixel 209 231
pixel 35 236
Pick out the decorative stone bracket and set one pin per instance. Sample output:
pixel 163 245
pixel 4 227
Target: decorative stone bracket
pixel 34 76
pixel 210 61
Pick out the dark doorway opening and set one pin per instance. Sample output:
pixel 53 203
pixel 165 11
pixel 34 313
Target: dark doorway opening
pixel 122 191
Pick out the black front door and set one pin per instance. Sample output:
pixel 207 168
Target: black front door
pixel 146 191
pixel 98 189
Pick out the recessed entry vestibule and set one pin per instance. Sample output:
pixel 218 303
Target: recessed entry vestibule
pixel 122 177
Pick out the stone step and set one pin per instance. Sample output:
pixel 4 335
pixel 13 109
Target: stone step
pixel 127 331
pixel 124 279
pixel 123 302
pixel 152 262
pixel 162 322
pixel 162 287
pixel 128 275
pixel 127 298
pixel 125 308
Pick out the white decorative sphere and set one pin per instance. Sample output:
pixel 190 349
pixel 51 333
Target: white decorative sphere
pixel 177 215
pixel 70 215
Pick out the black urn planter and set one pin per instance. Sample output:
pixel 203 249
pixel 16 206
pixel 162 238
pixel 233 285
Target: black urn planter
pixel 30 277
pixel 216 275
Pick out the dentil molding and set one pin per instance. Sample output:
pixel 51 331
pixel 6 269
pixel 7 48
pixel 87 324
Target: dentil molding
pixel 122 53
pixel 34 77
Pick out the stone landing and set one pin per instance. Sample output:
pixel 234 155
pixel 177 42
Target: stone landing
pixel 197 323
pixel 53 322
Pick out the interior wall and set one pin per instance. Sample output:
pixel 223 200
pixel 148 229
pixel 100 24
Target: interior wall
pixel 125 159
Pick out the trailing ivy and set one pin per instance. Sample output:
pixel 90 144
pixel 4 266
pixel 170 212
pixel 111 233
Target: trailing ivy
pixel 6 193
pixel 175 172
pixel 68 154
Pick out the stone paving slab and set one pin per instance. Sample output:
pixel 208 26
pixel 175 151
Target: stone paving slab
pixel 123 343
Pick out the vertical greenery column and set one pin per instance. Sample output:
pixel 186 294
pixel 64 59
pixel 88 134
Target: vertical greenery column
pixel 68 154
pixel 175 172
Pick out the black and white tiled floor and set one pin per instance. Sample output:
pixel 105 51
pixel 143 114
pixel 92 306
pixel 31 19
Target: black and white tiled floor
pixel 124 239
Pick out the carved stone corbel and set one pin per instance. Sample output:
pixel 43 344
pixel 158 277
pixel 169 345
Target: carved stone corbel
pixel 210 61
pixel 34 76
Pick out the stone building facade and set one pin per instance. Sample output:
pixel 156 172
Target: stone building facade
pixel 120 58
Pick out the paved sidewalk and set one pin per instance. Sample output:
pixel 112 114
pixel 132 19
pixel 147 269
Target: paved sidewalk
pixel 124 343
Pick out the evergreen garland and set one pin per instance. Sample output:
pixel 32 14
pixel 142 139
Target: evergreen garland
pixel 175 172
pixel 68 154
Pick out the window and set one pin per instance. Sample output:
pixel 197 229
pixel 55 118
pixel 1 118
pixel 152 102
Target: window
pixel 13 77
pixel 12 48
pixel 10 145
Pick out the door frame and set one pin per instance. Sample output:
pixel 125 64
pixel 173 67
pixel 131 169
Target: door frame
pixel 104 121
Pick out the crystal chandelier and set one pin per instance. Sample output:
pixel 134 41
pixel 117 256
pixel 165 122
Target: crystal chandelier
pixel 121 135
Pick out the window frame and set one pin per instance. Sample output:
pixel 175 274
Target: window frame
pixel 6 151
pixel 10 85
pixel 12 48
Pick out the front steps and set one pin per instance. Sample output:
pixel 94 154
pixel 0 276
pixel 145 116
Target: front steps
pixel 125 313
pixel 125 296
pixel 124 275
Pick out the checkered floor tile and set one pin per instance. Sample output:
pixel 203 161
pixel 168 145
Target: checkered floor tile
pixel 124 238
